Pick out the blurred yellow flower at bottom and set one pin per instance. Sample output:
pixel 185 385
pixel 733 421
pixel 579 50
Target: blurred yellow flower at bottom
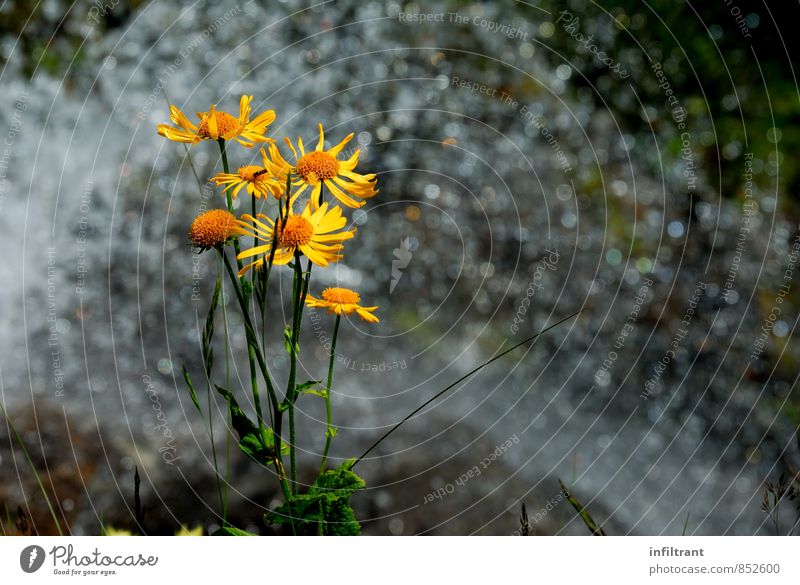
pixel 186 531
pixel 111 531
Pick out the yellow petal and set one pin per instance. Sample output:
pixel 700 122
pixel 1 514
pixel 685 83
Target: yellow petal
pixel 180 119
pixel 213 131
pixel 338 148
pixel 341 196
pixel 321 142
pixel 244 109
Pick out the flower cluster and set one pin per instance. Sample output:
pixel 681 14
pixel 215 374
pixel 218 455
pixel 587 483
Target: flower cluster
pixel 316 232
pixel 290 224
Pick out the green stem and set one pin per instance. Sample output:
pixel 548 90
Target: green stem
pixel 226 488
pixel 250 333
pixel 300 291
pixel 328 409
pixel 290 387
pixel 229 199
pixel 228 355
pixel 222 500
pixel 249 330
pixel 224 154
pixel 263 281
pixel 264 277
pixel 246 286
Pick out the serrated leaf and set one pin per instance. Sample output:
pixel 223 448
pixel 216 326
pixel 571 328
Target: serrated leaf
pixel 337 483
pixel 340 520
pixel 325 509
pixel 192 392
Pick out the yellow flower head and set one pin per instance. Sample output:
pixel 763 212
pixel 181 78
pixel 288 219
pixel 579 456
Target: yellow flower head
pixel 213 228
pixel 258 180
pixel 316 234
pixel 214 125
pixel 342 301
pixel 320 167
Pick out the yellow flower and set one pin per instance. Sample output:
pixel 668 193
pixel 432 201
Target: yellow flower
pixel 316 234
pixel 186 531
pixel 320 167
pixel 214 125
pixel 258 180
pixel 342 301
pixel 110 531
pixel 213 228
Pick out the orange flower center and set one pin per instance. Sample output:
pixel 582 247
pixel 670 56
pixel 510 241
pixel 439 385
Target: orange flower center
pixel 298 231
pixel 225 124
pixel 211 228
pixel 248 173
pixel 318 166
pixel 341 296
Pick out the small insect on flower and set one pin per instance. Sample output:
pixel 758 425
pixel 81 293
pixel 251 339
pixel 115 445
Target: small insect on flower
pixel 320 167
pixel 213 228
pixel 215 124
pixel 342 301
pixel 317 234
pixel 257 180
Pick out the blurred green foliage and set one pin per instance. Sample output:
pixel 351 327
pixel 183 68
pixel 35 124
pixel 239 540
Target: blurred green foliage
pixel 49 37
pixel 737 88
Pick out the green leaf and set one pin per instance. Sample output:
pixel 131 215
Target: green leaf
pixel 331 432
pixel 340 520
pixel 308 388
pixel 208 330
pixel 593 526
pixel 192 392
pixel 325 509
pixel 338 483
pixel 302 509
pixel 259 448
pixel 287 339
pixel 231 531
pixel 308 384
